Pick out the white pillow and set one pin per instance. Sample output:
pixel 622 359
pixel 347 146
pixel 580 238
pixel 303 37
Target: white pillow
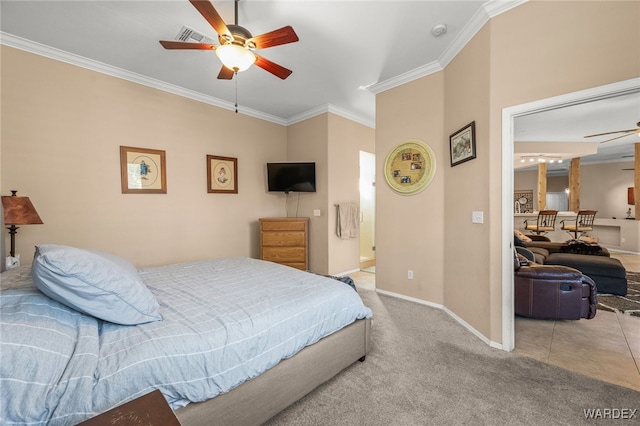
pixel 97 284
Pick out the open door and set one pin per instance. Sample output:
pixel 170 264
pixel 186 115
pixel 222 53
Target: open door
pixel 367 210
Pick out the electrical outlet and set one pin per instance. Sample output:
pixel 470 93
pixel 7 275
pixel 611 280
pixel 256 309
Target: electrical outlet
pixel 316 212
pixel 622 240
pixel 410 274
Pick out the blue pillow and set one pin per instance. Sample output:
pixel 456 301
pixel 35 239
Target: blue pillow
pixel 97 284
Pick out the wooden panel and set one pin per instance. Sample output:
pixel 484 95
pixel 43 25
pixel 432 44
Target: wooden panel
pixel 279 225
pixel 149 410
pixel 284 254
pixel 295 238
pixel 574 185
pixel 542 186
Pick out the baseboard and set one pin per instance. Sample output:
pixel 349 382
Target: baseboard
pixel 342 274
pixel 459 320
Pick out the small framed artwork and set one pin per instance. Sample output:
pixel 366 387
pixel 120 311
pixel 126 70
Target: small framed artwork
pixel 222 175
pixel 462 144
pixel 142 171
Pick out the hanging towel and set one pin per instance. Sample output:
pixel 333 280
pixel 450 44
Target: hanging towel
pixel 347 223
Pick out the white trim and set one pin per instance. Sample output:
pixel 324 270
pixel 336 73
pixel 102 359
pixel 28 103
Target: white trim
pixel 406 77
pixel 447 311
pixel 69 58
pixel 350 271
pixel 322 109
pixel 508 116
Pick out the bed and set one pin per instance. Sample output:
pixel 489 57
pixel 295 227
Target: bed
pixel 226 341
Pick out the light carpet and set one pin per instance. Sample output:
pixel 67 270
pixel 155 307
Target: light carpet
pixel 426 369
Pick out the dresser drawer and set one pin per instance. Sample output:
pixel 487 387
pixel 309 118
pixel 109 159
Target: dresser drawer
pixel 284 254
pixel 289 225
pixel 290 238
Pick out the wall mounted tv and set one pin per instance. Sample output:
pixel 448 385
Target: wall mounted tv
pixel 291 177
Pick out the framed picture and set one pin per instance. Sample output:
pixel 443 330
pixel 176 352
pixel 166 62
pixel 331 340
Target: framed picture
pixel 142 171
pixel 523 201
pixel 462 144
pixel 222 175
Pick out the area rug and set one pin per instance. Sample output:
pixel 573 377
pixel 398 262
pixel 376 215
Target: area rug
pixel 629 304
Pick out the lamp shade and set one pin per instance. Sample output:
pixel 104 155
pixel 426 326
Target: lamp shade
pixel 631 199
pixel 234 57
pixel 19 211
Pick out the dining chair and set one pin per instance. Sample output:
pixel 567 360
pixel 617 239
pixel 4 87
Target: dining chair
pixel 544 223
pixel 581 224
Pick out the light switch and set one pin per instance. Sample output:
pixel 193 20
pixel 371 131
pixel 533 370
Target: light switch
pixel 477 217
pixel 316 212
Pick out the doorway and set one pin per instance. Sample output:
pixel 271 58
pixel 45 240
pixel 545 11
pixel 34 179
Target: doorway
pixel 508 116
pixel 367 211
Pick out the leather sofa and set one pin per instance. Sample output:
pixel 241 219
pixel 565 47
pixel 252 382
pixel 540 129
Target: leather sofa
pixel 608 273
pixel 553 292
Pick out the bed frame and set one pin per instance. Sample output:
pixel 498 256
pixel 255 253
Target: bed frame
pixel 256 401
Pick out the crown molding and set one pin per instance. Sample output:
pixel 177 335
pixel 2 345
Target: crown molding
pixel 478 20
pixel 329 108
pixel 482 16
pixel 62 56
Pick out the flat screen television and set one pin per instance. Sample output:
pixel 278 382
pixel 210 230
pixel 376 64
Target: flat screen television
pixel 291 177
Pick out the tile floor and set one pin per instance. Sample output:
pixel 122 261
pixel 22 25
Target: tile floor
pixel 606 347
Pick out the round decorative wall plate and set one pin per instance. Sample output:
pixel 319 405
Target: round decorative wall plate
pixel 410 167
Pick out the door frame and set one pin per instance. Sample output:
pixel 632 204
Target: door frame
pixel 508 116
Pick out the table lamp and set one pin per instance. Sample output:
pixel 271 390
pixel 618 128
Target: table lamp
pixel 18 211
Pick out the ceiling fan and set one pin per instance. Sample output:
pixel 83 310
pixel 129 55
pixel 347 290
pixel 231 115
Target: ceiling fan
pixel 237 45
pixel 626 133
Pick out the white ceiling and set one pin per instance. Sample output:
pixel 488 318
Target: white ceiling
pixel 348 51
pixel 560 130
pixel 344 47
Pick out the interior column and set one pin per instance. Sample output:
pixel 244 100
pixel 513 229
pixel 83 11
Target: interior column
pixel 542 186
pixel 574 185
pixel 636 179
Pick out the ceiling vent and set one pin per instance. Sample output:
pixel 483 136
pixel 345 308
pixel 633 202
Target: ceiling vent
pixel 188 34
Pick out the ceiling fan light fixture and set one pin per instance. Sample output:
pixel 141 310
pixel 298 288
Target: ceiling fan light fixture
pixel 234 57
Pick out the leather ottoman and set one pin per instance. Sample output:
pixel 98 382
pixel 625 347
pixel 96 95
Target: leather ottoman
pixel 608 273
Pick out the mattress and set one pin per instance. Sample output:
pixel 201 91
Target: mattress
pixel 225 321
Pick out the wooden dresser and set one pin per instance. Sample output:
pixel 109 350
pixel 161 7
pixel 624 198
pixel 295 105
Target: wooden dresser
pixel 284 240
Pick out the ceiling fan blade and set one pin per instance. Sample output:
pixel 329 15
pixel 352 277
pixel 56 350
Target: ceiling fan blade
pixel 622 136
pixel 277 37
pixel 186 45
pixel 209 13
pixel 272 67
pixel 611 133
pixel 225 73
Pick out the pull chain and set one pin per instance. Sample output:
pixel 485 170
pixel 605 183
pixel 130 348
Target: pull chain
pixel 236 91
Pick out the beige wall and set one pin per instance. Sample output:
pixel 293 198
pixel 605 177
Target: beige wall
pixel 346 140
pixel 61 130
pixel 334 143
pixel 603 187
pixel 537 50
pixel 308 142
pixel 467 259
pixel 410 228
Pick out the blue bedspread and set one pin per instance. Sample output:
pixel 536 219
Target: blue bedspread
pixel 225 321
